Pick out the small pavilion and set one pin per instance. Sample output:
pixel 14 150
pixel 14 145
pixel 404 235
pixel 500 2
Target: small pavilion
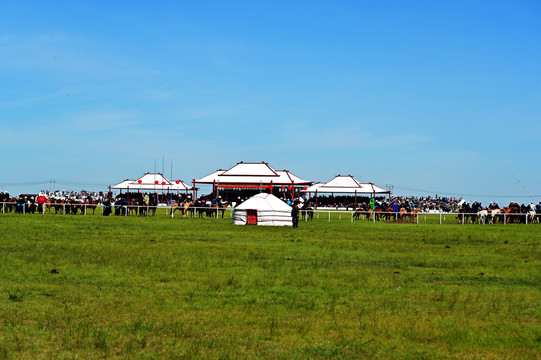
pixel 346 184
pixel 152 182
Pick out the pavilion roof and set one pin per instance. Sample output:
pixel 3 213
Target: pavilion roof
pixel 152 181
pixel 252 173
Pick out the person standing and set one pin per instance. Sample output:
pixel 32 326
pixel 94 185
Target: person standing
pixel 295 215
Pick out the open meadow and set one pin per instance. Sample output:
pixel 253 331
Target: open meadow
pixel 159 287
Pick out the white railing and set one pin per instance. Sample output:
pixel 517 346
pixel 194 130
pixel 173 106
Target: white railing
pixel 306 215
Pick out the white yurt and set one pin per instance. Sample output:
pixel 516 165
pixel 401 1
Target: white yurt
pixel 263 209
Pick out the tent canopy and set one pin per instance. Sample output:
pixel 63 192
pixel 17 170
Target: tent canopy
pixel 252 174
pixel 152 181
pixel 266 209
pixel 346 184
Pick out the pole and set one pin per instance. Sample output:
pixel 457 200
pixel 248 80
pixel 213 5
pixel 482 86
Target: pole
pixel 292 191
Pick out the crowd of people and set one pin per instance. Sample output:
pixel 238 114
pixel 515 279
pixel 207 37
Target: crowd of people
pixel 35 202
pixel 425 204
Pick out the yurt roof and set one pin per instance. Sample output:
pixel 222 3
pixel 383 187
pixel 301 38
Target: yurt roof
pixel 264 202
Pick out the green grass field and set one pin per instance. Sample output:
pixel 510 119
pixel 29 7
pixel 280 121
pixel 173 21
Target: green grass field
pixel 80 287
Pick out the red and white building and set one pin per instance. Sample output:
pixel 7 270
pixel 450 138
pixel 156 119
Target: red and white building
pixel 255 176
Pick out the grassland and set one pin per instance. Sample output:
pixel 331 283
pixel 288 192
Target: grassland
pixel 128 287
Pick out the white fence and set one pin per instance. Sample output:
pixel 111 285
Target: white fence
pixel 307 215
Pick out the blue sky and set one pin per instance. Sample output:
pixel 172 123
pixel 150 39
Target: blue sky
pixel 430 96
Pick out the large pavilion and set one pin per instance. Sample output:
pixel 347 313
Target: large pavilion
pixel 346 184
pixel 257 177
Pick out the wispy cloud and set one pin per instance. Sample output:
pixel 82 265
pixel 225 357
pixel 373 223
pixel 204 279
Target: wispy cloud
pixel 6 39
pixel 159 95
pixel 104 120
pixel 33 99
pixel 206 113
pixel 76 129
pixel 70 55
pixel 349 137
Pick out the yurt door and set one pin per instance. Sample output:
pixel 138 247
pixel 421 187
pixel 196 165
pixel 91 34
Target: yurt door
pixel 251 217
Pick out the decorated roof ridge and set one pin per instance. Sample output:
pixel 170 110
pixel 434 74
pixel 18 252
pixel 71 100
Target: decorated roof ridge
pixel 346 176
pixel 231 171
pixel 289 175
pixel 341 178
pixel 154 176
